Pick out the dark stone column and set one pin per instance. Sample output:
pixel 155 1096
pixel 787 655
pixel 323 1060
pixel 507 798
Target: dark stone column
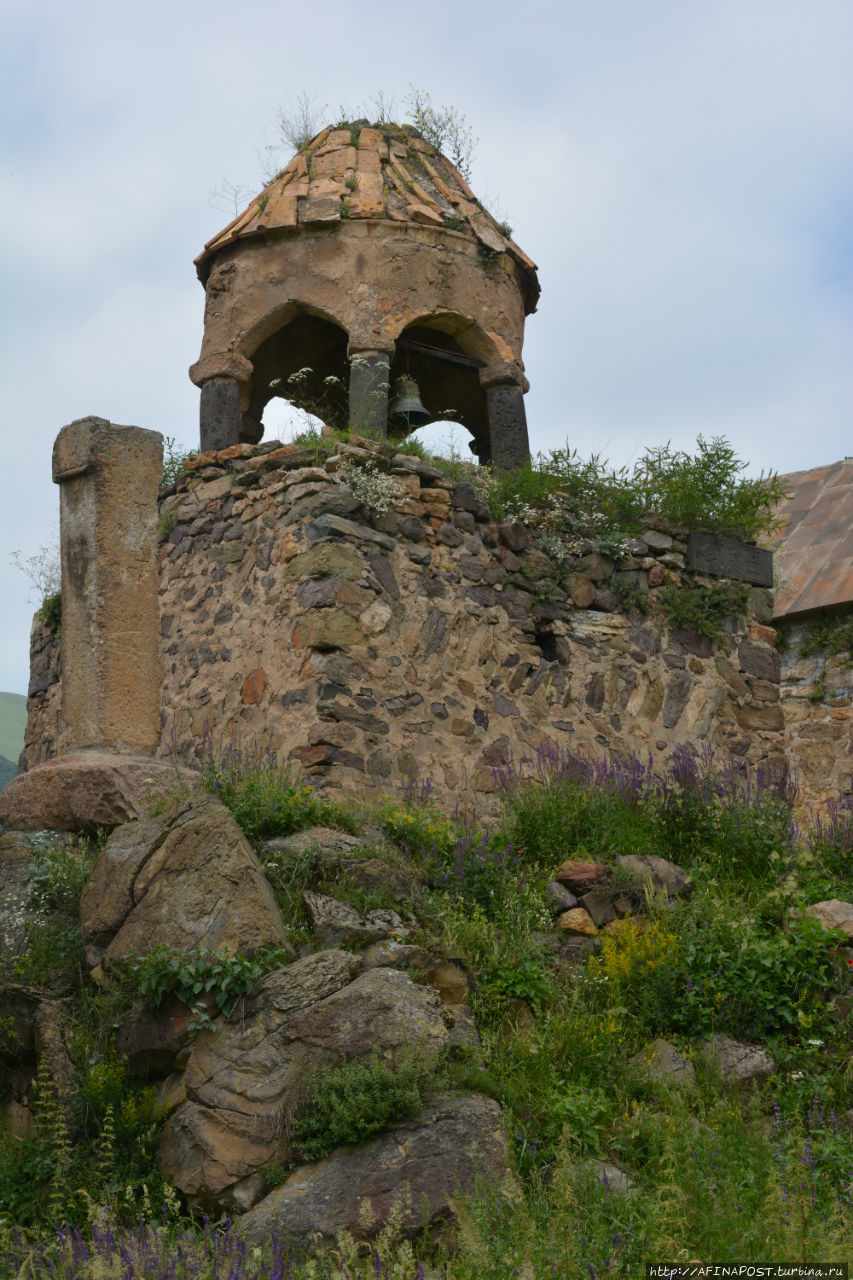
pixel 507 426
pixel 219 414
pixel 368 393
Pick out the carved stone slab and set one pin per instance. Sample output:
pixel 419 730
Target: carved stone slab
pixel 728 558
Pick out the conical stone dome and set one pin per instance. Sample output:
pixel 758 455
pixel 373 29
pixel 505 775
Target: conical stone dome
pixel 367 258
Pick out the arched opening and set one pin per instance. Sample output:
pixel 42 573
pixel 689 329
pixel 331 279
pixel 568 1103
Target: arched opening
pixel 444 355
pixel 301 371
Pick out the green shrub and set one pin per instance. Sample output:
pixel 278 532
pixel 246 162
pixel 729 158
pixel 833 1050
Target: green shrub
pixel 44 1182
pixel 696 975
pixel 262 796
pixel 174 458
pixel 695 810
pixel 518 977
pixel 51 612
pixel 54 951
pixel 829 635
pixel 707 490
pixel 163 973
pixel 420 829
pixel 351 1103
pixel 59 873
pixel 703 609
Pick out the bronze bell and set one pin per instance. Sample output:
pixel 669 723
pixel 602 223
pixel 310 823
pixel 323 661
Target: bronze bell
pixel 406 410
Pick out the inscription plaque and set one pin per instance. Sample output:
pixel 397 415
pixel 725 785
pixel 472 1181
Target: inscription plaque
pixel 728 558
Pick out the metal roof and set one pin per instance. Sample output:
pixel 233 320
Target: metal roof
pixel 814 551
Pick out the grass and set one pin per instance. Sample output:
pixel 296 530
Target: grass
pixel 716 1174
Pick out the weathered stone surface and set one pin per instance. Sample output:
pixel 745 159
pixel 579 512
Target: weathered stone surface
pixel 834 914
pixel 325 840
pixel 660 1060
pixel 334 922
pixel 394 955
pixel 326 558
pixel 186 879
pixel 110 617
pixel 329 629
pixel 577 921
pixel 242 1079
pixel 662 874
pixel 599 906
pixel 453 1147
pixel 514 536
pixel 374 874
pixel 759 660
pixel 728 558
pixel 612 1177
pixel 756 719
pixel 559 896
pixel 153 1038
pixel 87 790
pixel 325 526
pixel 580 876
pixel 738 1064
pixel 450 981
pixel 581 589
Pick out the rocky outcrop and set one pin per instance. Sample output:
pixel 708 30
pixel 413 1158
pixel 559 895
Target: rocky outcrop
pixel 186 879
pixel 245 1079
pixel 87 790
pixel 454 1146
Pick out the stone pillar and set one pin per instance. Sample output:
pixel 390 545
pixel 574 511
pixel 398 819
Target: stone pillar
pixel 225 379
pixel 108 478
pixel 504 385
pixel 219 414
pixel 368 393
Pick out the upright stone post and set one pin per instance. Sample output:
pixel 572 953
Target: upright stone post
pixel 368 393
pixel 504 385
pixel 224 378
pixel 108 478
pixel 219 414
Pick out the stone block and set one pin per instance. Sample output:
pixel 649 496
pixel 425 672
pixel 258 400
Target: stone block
pixel 111 672
pixel 728 558
pixel 319 209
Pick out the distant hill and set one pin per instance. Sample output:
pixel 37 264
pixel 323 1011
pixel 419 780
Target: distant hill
pixel 13 722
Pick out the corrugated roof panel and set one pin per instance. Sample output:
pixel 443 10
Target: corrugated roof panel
pixel 814 551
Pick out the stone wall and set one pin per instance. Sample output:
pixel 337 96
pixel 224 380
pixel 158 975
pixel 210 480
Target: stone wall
pixel 425 639
pixel 817 701
pixel 44 696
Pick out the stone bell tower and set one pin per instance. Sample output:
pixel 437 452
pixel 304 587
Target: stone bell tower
pixel 367 261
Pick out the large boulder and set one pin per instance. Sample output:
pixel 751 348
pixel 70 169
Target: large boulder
pixel 87 790
pixel 183 880
pixel 739 1064
pixel 834 914
pixel 661 1061
pixel 244 1080
pixel 450 1149
pixel 662 874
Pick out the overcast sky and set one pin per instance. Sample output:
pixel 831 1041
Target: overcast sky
pixel 680 170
